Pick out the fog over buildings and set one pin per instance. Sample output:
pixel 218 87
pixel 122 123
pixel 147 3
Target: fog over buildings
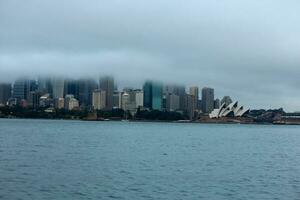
pixel 246 49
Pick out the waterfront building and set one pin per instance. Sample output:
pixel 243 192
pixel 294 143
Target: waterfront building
pixel 190 109
pixel 178 90
pixel 131 93
pixel 200 105
pixel 5 93
pixel 147 90
pixel 127 102
pixel 194 91
pixel 99 99
pixel 71 87
pixel 231 110
pixel 182 98
pixel 45 101
pixel 12 102
pixel 34 99
pixel 107 84
pixel 85 92
pixel 216 103
pixel 60 103
pixel 44 85
pixel 157 95
pixel 139 98
pixel 153 95
pixel 172 102
pixel 21 89
pixel 57 88
pixel 117 99
pixel 207 99
pixel 71 103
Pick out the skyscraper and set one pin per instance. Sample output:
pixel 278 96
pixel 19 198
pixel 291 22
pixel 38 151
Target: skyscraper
pixel 182 98
pixel 207 99
pixel 217 104
pixel 57 88
pixel 157 95
pixel 44 85
pixel 190 110
pixel 117 99
pixel 178 90
pixel 5 92
pixel 153 95
pixel 21 89
pixel 194 92
pixel 172 102
pixel 99 100
pixel 71 87
pixel 147 89
pixel 85 92
pixel 107 84
pixel 139 98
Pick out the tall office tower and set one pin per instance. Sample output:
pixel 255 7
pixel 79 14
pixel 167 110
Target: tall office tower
pixel 131 93
pixel 147 89
pixel 190 110
pixel 107 84
pixel 117 99
pixel 199 104
pixel 5 93
pixel 172 102
pixel 32 88
pixel 21 89
pixel 180 91
pixel 85 92
pixel 157 96
pixel 182 98
pixel 194 92
pixel 99 99
pixel 227 100
pixel 71 87
pixel 44 85
pixel 207 99
pixel 129 100
pixel 125 101
pixel 57 88
pixel 217 104
pixel 139 98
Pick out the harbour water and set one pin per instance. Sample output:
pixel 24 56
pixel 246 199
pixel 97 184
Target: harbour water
pixel 57 159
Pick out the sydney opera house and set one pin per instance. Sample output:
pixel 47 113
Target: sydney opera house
pixel 231 110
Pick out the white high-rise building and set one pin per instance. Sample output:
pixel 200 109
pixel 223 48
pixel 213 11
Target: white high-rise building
pixel 99 99
pixel 139 98
pixel 125 100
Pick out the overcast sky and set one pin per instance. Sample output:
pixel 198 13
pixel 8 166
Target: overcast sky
pixel 247 49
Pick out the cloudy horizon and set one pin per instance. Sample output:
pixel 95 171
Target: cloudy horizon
pixel 248 50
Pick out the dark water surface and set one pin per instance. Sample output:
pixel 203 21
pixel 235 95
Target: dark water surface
pixel 42 159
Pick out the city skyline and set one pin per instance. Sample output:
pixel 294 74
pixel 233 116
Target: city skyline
pixel 66 82
pixel 248 50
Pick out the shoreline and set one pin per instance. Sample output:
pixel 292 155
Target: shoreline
pixel 277 123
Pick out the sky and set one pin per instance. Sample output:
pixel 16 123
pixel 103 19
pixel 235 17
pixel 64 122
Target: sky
pixel 249 50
